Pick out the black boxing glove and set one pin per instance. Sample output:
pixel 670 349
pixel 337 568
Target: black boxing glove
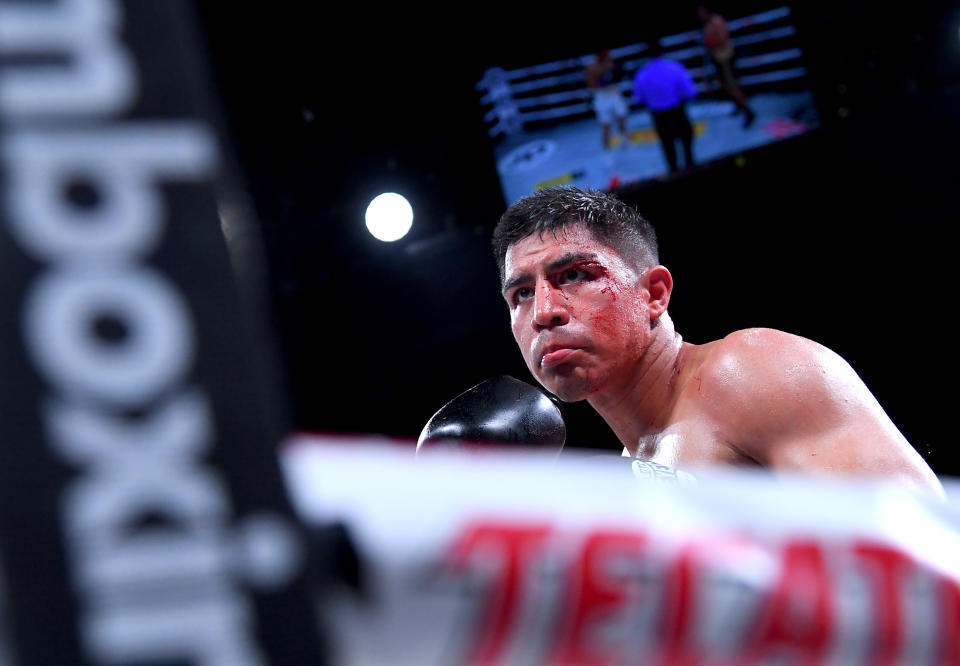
pixel 500 410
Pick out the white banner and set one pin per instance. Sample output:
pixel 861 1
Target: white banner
pixel 518 558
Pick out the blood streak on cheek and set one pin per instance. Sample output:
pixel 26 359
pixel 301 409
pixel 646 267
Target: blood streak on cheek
pixel 606 322
pixel 615 318
pixel 611 285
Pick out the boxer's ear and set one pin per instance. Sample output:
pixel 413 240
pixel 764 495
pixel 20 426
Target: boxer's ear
pixel 659 284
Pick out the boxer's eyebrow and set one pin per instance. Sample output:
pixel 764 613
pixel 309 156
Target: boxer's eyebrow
pixel 516 280
pixel 569 258
pixel 560 262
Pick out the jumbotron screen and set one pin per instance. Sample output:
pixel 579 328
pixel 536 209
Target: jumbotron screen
pixel 547 129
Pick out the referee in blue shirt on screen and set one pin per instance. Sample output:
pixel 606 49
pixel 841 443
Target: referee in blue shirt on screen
pixel 664 86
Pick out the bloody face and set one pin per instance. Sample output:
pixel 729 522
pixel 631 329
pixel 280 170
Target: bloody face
pixel 578 312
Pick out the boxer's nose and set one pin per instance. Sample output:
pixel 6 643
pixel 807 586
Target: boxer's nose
pixel 550 307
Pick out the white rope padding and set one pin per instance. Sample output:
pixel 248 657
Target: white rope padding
pixel 521 558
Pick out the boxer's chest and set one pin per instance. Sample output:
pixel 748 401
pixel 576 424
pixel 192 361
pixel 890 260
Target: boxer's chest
pixel 689 441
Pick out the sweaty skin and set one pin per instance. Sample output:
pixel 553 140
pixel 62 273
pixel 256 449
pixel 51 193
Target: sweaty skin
pixel 716 34
pixel 597 69
pixel 591 327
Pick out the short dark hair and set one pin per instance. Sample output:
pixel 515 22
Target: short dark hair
pixel 611 222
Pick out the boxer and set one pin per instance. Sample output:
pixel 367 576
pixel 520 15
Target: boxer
pixel 588 305
pixel 602 78
pixel 719 45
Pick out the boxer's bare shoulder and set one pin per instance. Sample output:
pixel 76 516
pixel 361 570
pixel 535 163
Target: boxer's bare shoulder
pixel 790 403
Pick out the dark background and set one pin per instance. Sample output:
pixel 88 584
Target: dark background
pixel 843 235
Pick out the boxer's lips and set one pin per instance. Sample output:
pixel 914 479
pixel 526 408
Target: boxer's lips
pixel 554 355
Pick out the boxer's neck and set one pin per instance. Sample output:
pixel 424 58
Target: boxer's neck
pixel 644 404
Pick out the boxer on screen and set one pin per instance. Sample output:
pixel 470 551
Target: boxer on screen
pixel 588 307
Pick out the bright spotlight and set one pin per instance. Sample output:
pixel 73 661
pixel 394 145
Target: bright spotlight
pixel 389 217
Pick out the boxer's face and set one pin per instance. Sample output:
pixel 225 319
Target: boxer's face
pixel 578 312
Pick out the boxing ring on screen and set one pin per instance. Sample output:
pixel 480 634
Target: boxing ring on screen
pixel 541 118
